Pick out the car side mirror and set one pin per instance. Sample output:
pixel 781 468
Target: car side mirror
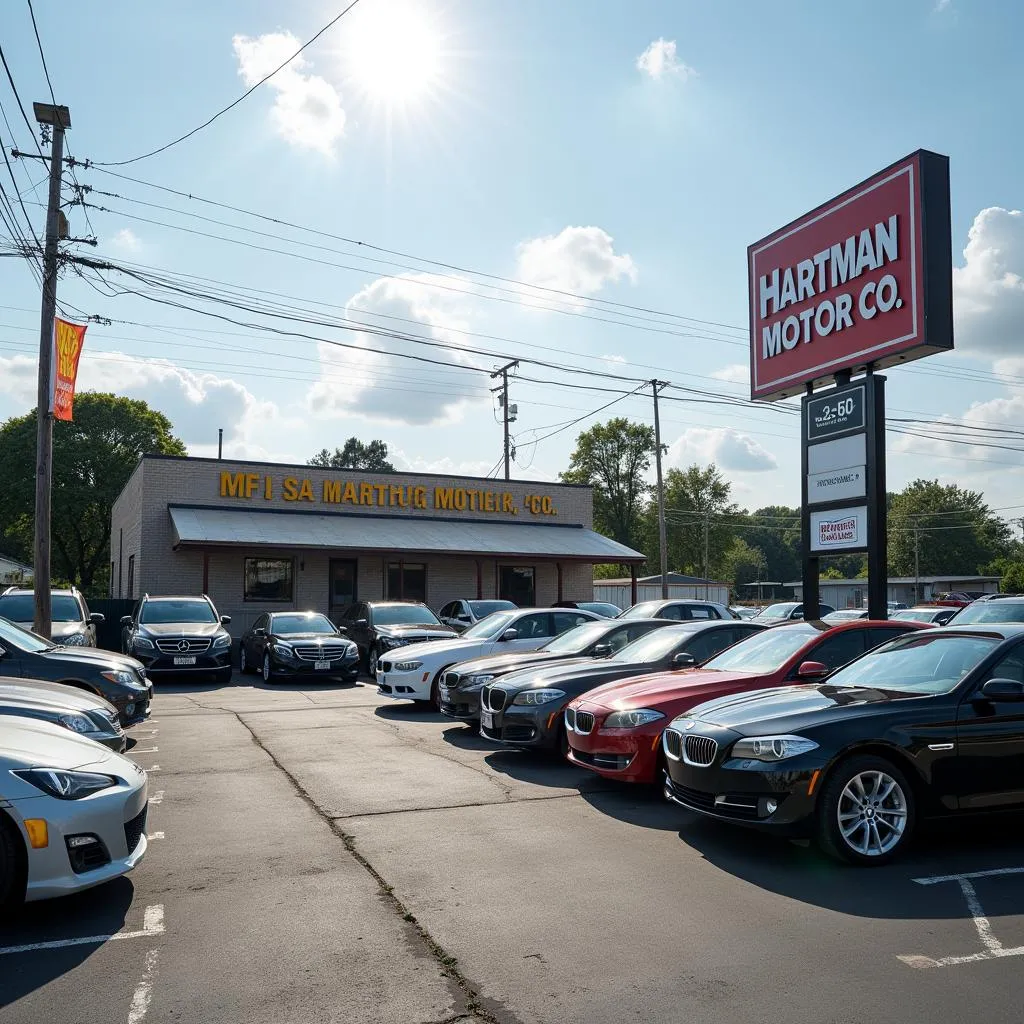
pixel 126 620
pixel 510 634
pixel 684 660
pixel 259 631
pixel 360 623
pixel 463 618
pixel 225 620
pixel 812 670
pixel 97 617
pixel 602 650
pixel 1003 689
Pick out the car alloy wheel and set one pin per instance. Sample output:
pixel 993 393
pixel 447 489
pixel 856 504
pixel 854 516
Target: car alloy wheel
pixel 371 662
pixel 268 676
pixel 867 811
pixel 242 665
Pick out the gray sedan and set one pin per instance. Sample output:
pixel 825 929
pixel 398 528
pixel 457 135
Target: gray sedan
pixel 82 712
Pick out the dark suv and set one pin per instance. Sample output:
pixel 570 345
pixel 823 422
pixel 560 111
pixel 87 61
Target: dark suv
pixel 178 635
pixel 120 680
pixel 73 624
pixel 377 627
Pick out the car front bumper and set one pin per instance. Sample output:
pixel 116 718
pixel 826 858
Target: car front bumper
pixel 460 703
pixel 158 663
pixel 630 755
pixel 397 685
pixel 133 706
pixel 115 817
pixel 346 668
pixel 522 726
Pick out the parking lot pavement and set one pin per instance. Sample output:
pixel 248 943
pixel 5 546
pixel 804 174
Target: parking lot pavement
pixel 329 857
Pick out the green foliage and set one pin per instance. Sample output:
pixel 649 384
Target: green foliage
pixel 614 458
pixel 1013 578
pixel 775 530
pixel 93 457
pixel 741 564
pixel 372 457
pixel 610 572
pixel 832 573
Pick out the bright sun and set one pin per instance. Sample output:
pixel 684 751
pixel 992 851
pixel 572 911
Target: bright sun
pixel 394 51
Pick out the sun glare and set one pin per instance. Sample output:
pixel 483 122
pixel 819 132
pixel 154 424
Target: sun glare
pixel 395 51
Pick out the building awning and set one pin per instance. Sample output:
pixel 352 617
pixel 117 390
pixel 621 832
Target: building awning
pixel 220 527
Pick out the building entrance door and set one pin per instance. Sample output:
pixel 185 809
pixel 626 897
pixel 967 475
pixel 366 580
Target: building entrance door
pixel 343 586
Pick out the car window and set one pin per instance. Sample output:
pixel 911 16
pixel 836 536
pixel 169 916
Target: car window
pixel 644 610
pixel 991 611
pixel 490 627
pixel 655 645
pixel 568 620
pixel 768 651
pixel 185 609
pixel 302 623
pixel 447 612
pixel 882 635
pixel 708 643
pixel 21 608
pixel 836 651
pixel 672 611
pixel 404 615
pixel 1011 666
pixel 531 627
pixel 638 630
pixel 701 611
pixel 261 622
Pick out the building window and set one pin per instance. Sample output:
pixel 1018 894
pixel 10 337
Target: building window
pixel 131 575
pixel 269 579
pixel 407 581
pixel 516 584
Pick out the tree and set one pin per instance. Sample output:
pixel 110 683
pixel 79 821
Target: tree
pixel 957 533
pixel 742 564
pixel 1013 578
pixel 372 457
pixel 614 458
pixel 93 457
pixel 775 530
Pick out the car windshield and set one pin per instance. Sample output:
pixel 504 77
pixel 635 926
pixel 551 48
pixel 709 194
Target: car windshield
pixel 21 608
pixel 579 638
pixel 22 639
pixel 600 608
pixel 644 610
pixel 653 646
pixel 764 652
pixel 914 614
pixel 777 611
pixel 487 629
pixel 926 662
pixel 185 609
pixel 990 611
pixel 283 624
pixel 404 615
pixel 846 615
pixel 483 608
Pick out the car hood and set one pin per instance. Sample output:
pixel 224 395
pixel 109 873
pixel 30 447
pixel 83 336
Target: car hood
pixel 762 712
pixel 58 630
pixel 578 676
pixel 92 656
pixel 327 638
pixel 453 647
pixel 502 664
pixel 30 743
pixel 162 629
pixel 53 695
pixel 649 691
pixel 403 630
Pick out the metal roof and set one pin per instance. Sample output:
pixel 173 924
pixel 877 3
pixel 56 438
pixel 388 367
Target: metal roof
pixel 222 526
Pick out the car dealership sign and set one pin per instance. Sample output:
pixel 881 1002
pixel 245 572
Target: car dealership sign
pixel 863 280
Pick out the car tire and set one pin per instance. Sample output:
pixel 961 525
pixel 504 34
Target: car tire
pixel 243 664
pixel 11 864
pixel 371 661
pixel 861 793
pixel 268 672
pixel 223 675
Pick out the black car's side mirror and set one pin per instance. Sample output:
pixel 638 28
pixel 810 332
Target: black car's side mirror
pixel 602 650
pixel 684 660
pixel 360 623
pixel 126 620
pixel 225 620
pixel 1003 689
pixel 97 618
pixel 259 631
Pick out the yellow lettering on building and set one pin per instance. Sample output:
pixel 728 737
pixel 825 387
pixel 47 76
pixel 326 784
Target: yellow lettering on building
pixel 444 497
pixel 232 485
pixel 366 494
pixel 350 495
pixel 489 501
pixel 306 491
pixel 291 488
pixel 268 488
pixel 332 492
pixel 397 496
pixel 508 503
pixel 419 497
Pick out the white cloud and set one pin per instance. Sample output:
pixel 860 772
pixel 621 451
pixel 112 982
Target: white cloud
pixel 126 241
pixel 734 373
pixel 659 60
pixel 307 110
pixel 727 448
pixel 988 290
pixel 367 381
pixel 943 5
pixel 577 259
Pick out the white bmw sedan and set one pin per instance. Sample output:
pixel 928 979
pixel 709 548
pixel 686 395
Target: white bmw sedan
pixel 413 672
pixel 72 812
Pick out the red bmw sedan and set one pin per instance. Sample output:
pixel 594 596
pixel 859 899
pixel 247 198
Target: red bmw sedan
pixel 615 730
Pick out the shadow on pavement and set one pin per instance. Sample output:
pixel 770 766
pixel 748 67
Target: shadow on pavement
pixel 99 911
pixel 409 712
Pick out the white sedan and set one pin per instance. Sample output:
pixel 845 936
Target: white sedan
pixel 73 812
pixel 413 672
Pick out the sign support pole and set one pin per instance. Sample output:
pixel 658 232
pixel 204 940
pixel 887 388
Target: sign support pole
pixel 811 562
pixel 878 569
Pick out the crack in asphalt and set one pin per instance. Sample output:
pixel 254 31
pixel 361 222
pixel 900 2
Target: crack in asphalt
pixel 479 803
pixel 476 1008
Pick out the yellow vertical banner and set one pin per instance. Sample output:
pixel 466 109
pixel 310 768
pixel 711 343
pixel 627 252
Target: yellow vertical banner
pixel 68 339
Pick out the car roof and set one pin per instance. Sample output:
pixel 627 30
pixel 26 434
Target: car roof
pixel 1003 630
pixel 385 604
pixel 175 597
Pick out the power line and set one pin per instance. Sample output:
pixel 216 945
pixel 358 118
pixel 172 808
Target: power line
pixel 234 103
pixel 42 56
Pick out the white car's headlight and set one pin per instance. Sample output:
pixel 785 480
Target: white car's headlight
pixel 75 640
pixel 77 723
pixel 631 719
pixel 408 666
pixel 124 678
pixel 533 698
pixel 221 642
pixel 480 680
pixel 66 785
pixel 142 644
pixel 772 748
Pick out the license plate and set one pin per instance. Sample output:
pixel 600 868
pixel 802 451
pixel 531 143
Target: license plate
pixel 486 719
pixel 185 661
pixel 321 665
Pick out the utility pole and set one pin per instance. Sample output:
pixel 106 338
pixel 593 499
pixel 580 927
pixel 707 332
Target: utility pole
pixel 503 373
pixel 917 562
pixel 59 120
pixel 656 385
pixel 707 568
pixel 220 442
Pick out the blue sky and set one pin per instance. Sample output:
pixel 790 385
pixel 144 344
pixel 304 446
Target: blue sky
pixel 534 144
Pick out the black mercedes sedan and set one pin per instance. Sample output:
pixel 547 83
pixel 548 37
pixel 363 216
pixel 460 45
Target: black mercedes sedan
pixel 927 725
pixel 524 709
pixel 460 686
pixel 290 645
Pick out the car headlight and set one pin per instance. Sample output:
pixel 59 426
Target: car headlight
pixel 221 642
pixel 532 698
pixel 140 643
pixel 631 719
pixel 65 785
pixel 408 666
pixel 481 679
pixel 77 723
pixel 123 677
pixel 772 748
pixel 391 642
pixel 283 649
pixel 75 640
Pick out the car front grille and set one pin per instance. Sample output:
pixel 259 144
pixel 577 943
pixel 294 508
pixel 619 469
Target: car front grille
pixel 185 645
pixel 570 719
pixel 691 797
pixel 321 652
pixel 584 722
pixel 493 698
pixel 673 744
pixel 699 750
pixel 135 829
pixel 610 762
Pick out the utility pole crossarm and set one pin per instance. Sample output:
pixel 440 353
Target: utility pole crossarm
pixel 503 373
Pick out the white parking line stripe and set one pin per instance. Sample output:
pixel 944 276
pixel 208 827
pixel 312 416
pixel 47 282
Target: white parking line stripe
pixel 952 961
pixel 935 879
pixel 981 922
pixel 143 991
pixel 157 798
pixel 155 835
pixel 152 924
pixel 155 768
pixel 148 750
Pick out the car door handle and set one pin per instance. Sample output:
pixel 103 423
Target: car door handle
pixel 940 746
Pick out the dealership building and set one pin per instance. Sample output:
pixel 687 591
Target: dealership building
pixel 275 537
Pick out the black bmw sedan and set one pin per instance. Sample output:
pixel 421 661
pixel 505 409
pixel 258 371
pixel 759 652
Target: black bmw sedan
pixel 931 724
pixel 290 645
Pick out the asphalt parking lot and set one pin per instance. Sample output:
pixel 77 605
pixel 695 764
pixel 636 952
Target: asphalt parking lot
pixel 320 854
